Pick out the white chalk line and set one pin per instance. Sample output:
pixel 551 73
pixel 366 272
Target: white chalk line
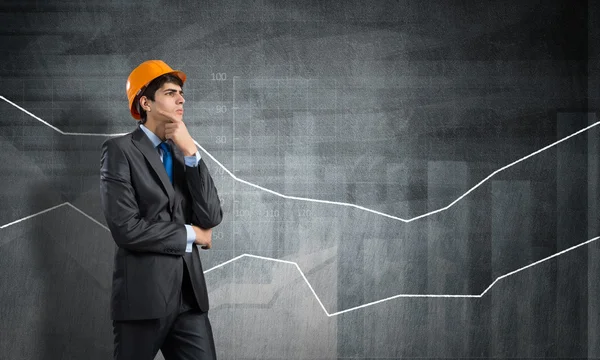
pixel 308 283
pixel 52 208
pixel 319 200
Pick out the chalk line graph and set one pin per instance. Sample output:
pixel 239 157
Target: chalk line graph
pixel 331 203
pixel 308 282
pixel 338 203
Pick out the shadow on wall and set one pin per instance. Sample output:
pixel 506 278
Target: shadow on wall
pixel 69 255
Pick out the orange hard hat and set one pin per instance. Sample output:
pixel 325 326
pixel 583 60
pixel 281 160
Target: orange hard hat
pixel 142 75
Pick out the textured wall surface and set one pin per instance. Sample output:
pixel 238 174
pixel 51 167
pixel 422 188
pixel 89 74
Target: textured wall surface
pixel 338 133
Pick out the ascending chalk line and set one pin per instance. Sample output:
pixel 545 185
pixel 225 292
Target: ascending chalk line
pixel 308 283
pixel 318 200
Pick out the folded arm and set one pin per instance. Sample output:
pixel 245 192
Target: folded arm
pixel 206 206
pixel 129 229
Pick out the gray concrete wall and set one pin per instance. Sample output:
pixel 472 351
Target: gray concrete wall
pixel 400 107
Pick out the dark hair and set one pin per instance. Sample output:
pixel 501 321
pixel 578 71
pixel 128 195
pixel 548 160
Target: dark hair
pixel 150 91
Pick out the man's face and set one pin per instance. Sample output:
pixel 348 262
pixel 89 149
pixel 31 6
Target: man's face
pixel 168 103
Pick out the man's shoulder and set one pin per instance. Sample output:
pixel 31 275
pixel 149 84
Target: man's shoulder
pixel 119 141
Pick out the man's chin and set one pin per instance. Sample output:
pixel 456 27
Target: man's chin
pixel 173 119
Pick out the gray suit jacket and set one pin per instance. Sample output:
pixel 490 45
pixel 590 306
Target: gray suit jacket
pixel 146 215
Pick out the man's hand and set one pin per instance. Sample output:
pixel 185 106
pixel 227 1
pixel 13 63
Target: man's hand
pixel 203 237
pixel 178 133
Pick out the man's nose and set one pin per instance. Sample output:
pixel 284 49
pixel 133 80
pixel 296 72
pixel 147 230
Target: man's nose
pixel 181 99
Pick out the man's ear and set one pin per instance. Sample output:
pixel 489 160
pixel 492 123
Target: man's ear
pixel 145 103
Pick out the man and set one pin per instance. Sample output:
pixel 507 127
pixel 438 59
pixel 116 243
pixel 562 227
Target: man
pixel 159 201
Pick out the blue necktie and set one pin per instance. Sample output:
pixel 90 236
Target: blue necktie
pixel 167 159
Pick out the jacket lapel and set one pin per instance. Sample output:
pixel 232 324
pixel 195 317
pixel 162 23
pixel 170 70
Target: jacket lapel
pixel 141 141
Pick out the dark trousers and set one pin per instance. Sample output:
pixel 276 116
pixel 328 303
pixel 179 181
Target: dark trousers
pixel 185 334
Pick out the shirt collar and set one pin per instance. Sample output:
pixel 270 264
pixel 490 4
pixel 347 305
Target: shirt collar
pixel 152 136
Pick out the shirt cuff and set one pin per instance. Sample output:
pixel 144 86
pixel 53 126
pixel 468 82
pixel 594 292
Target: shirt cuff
pixel 191 237
pixel 193 160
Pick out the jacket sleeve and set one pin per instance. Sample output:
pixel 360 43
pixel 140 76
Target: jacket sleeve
pixel 128 228
pixel 206 206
